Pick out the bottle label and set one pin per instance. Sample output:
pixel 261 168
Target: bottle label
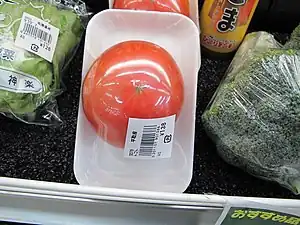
pixel 229 14
pixel 224 23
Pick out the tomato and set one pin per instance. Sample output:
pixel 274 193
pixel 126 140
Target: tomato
pixel 133 79
pixel 177 6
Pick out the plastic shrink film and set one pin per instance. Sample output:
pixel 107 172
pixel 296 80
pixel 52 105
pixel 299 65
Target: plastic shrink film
pixel 254 116
pixel 30 79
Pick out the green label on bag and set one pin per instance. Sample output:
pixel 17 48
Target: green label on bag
pixel 252 216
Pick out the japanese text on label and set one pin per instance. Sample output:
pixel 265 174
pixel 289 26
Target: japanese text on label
pixel 264 215
pixel 7 2
pixel 247 216
pixel 213 41
pixel 18 82
pixel 150 138
pixel 7 54
pixel 37 36
pixel 230 16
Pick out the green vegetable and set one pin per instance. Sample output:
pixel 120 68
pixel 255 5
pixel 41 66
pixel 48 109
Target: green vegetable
pixel 254 117
pixel 24 105
pixel 294 41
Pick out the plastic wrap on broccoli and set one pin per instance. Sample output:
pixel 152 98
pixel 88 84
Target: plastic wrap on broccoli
pixel 254 117
pixel 294 41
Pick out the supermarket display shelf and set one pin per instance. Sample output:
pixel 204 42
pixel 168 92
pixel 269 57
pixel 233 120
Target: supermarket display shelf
pixel 42 188
pixel 39 202
pixel 47 154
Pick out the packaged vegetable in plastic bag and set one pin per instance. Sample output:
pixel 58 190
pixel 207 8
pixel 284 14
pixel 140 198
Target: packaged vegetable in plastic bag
pixel 254 116
pixel 37 40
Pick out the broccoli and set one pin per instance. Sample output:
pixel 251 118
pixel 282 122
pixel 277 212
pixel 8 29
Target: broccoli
pixel 254 117
pixel 294 42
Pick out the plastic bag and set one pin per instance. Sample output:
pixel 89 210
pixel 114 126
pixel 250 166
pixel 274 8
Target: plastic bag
pixel 37 40
pixel 254 116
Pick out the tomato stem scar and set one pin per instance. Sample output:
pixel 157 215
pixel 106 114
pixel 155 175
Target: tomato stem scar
pixel 139 89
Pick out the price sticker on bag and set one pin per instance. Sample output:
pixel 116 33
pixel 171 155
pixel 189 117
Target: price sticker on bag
pixel 37 36
pixel 150 138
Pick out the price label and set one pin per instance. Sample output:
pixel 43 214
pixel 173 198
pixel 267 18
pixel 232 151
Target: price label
pixel 37 36
pixel 150 138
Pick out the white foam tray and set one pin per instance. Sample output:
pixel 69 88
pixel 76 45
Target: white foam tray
pixel 97 163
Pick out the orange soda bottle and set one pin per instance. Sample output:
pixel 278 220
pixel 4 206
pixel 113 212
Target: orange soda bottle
pixel 224 24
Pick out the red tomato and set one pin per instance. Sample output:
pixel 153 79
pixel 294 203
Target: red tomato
pixel 177 6
pixel 133 79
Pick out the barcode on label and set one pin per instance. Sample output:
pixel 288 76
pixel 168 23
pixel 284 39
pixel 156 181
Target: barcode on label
pixel 37 36
pixel 149 141
pixel 149 138
pixel 35 32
